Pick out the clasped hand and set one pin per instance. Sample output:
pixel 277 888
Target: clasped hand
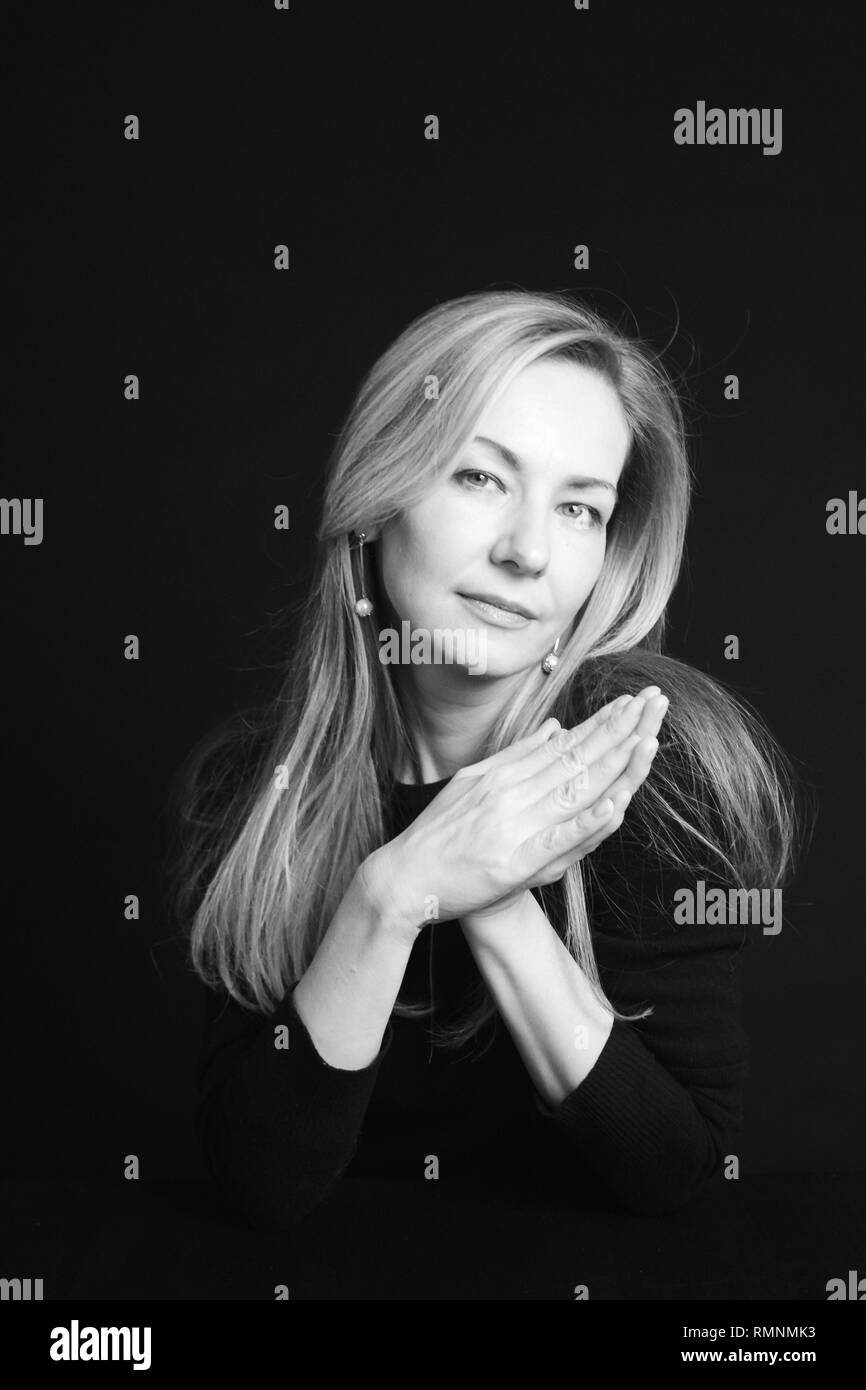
pixel 518 819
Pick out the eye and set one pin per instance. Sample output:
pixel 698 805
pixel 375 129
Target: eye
pixel 597 519
pixel 475 473
pixel 467 473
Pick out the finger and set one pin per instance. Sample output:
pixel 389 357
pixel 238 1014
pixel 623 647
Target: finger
pixel 606 815
pixel 549 753
pixel 617 796
pixel 520 751
pixel 546 820
pixel 643 715
pixel 604 818
pixel 581 732
pixel 567 756
pixel 609 822
pixel 635 717
pixel 614 764
pixel 623 788
pixel 565 840
pixel 514 751
pixel 655 711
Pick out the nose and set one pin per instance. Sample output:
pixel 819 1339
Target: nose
pixel 524 542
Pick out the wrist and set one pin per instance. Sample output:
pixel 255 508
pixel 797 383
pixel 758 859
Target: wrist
pixel 497 918
pixel 379 880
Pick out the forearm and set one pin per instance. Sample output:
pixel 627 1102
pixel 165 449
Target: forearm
pixel 278 1124
pixel 551 1012
pixel 652 1123
pixel 347 994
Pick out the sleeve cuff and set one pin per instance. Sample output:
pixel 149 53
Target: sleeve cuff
pixel 609 1100
pixel 296 1084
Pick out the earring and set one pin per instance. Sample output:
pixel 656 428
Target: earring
pixel 363 606
pixel 551 660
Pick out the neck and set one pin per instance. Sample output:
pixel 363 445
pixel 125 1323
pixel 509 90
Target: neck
pixel 450 718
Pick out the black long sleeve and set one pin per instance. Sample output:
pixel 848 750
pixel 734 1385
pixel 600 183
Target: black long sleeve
pixel 648 1125
pixel 276 1126
pixel 654 1115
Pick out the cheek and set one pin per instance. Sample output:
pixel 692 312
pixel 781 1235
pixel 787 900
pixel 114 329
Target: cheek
pixel 435 539
pixel 578 569
pixel 411 560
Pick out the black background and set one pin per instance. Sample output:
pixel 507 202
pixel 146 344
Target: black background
pixel 155 257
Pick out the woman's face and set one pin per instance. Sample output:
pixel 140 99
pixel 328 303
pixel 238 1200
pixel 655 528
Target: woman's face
pixel 519 516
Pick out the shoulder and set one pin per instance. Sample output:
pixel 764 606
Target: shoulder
pixel 640 893
pixel 602 679
pixel 678 842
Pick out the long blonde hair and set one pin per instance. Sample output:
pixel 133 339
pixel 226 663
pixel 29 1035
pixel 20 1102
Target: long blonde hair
pixel 258 880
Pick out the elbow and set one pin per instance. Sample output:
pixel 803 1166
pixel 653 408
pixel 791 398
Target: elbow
pixel 260 1196
pixel 270 1220
pixel 660 1200
pixel 671 1186
pixel 266 1208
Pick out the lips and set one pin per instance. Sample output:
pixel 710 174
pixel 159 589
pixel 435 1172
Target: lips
pixel 501 603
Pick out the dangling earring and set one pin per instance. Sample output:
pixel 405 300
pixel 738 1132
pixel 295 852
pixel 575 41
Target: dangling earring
pixel 363 606
pixel 551 659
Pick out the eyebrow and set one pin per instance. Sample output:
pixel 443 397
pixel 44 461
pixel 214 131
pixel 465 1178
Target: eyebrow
pixel 582 480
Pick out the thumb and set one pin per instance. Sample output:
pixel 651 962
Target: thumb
pixel 514 750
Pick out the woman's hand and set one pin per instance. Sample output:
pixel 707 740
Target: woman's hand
pixel 516 820
pixel 617 795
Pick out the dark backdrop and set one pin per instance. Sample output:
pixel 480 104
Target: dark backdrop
pixel 155 257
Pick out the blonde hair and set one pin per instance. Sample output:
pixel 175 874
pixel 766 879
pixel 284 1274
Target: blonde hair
pixel 259 881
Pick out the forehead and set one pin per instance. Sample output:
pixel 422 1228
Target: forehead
pixel 557 412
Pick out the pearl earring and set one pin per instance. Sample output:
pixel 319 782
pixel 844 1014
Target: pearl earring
pixel 363 606
pixel 551 660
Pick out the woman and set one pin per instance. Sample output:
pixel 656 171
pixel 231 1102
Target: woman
pixel 401 857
